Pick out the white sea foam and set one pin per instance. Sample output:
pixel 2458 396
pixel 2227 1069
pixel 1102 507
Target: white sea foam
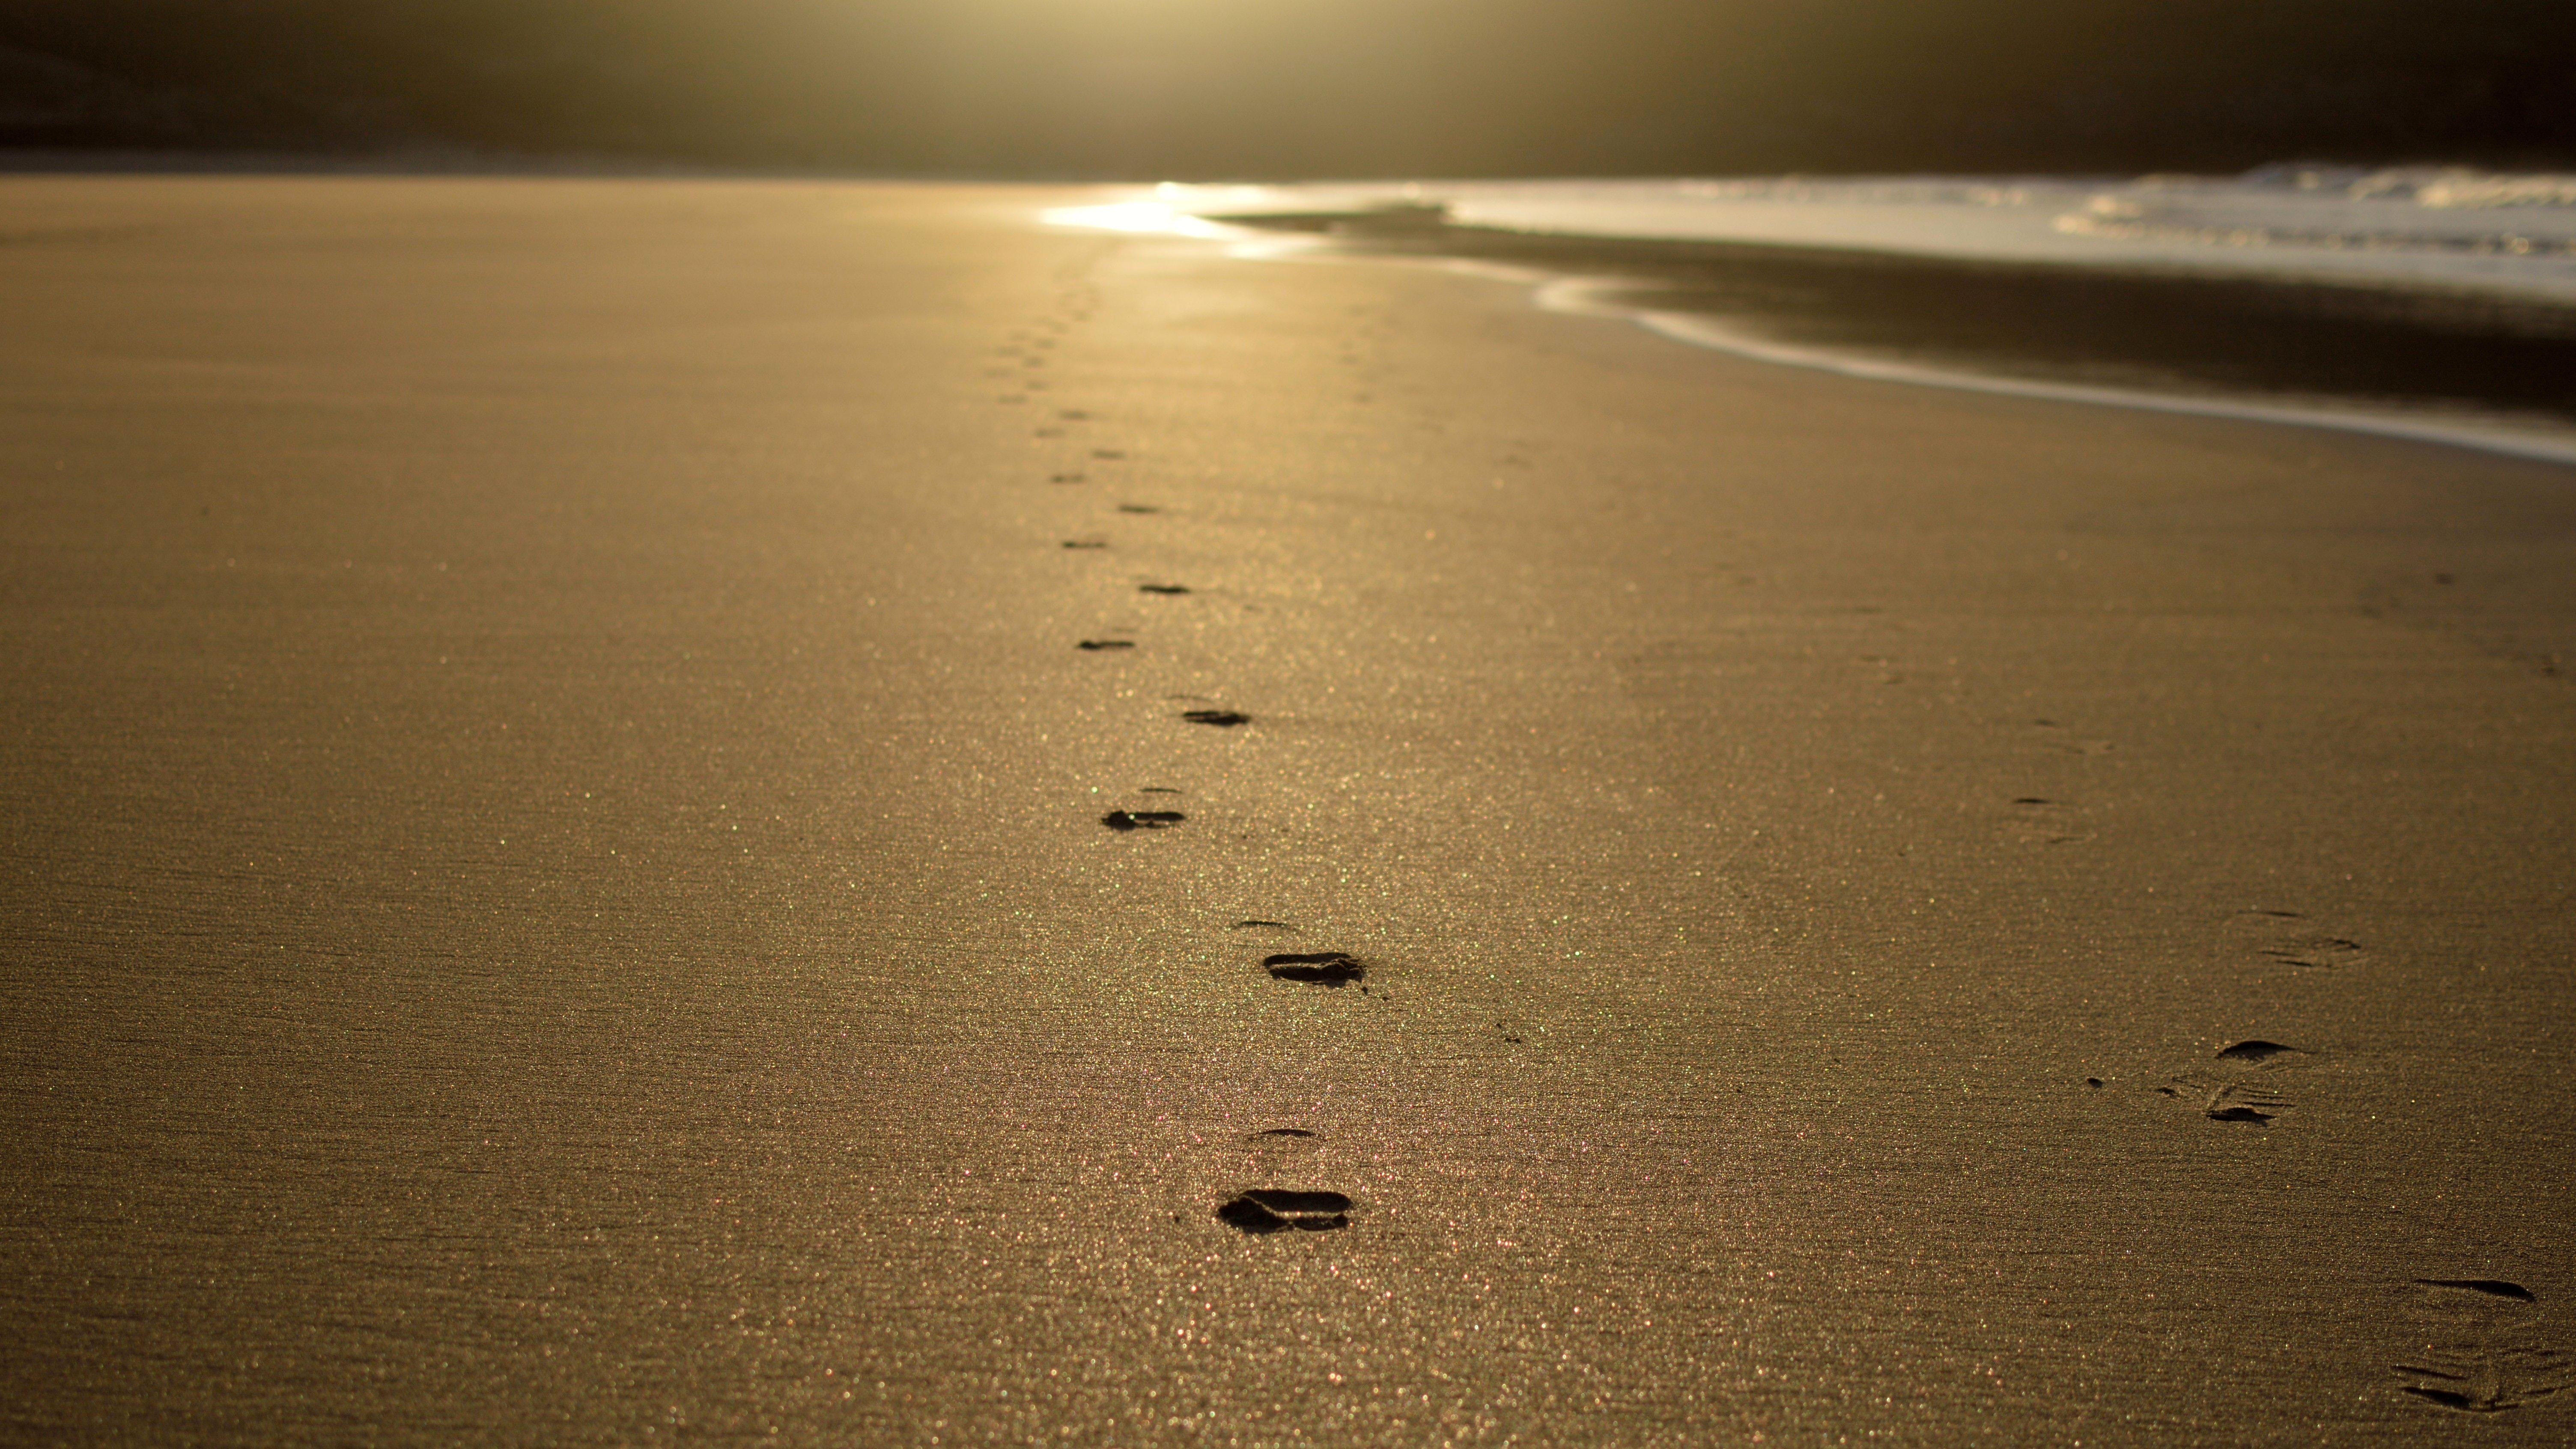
pixel 2505 236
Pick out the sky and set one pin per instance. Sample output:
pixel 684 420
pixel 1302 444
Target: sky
pixel 1205 89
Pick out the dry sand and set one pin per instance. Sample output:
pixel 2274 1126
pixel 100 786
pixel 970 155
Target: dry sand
pixel 556 889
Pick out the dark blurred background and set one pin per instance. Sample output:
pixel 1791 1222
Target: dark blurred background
pixel 1290 88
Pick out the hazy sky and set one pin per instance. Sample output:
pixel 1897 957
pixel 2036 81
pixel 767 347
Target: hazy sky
pixel 1291 87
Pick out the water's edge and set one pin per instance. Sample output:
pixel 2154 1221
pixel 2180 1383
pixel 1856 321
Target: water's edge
pixel 1363 237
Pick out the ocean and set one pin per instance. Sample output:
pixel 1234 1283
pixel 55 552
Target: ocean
pixel 2433 303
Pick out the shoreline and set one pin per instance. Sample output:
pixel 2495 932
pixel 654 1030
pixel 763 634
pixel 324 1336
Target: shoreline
pixel 1554 270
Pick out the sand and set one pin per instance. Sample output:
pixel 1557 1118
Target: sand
pixel 557 887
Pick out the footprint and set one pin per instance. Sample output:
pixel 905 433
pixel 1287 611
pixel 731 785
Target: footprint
pixel 1256 924
pixel 1224 719
pixel 2479 1347
pixel 1074 415
pixel 1108 454
pixel 1138 508
pixel 1126 820
pixel 1276 1210
pixel 2316 952
pixel 2244 1102
pixel 2043 821
pixel 1048 433
pixel 1317 968
pixel 2290 939
pixel 2240 1088
pixel 1085 543
pixel 2066 744
pixel 1162 588
pixel 1096 645
pixel 1284 1132
pixel 1065 478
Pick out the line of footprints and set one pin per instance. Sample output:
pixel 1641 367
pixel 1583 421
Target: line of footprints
pixel 2478 1350
pixel 2243 1082
pixel 2477 1345
pixel 1256 1210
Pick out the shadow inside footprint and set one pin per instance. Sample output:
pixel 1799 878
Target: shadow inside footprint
pixel 1221 718
pixel 1124 820
pixel 1319 968
pixel 1086 543
pixel 1065 478
pixel 1162 588
pixel 2490 1287
pixel 2257 1051
pixel 1096 645
pixel 1138 508
pixel 1284 1132
pixel 1276 1210
pixel 2239 1112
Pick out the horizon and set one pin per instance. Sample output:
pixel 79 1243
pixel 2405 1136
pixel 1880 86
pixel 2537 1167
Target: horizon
pixel 1304 89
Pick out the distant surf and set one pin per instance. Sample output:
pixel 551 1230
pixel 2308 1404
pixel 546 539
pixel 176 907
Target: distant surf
pixel 2433 304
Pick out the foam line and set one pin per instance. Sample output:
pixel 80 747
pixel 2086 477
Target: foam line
pixel 1581 296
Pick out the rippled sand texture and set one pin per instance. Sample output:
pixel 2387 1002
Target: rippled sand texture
pixel 584 864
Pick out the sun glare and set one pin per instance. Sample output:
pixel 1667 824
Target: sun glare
pixel 1157 216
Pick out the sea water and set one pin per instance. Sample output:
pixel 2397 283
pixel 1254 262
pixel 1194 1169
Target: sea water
pixel 2435 303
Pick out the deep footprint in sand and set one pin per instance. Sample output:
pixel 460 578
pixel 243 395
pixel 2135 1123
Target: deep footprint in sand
pixel 1097 645
pixel 2478 1346
pixel 1065 478
pixel 2238 1087
pixel 1224 719
pixel 1138 508
pixel 1315 968
pixel 1126 820
pixel 1277 1210
pixel 1086 543
pixel 1162 588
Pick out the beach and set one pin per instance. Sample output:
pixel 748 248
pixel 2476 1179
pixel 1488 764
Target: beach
pixel 566 879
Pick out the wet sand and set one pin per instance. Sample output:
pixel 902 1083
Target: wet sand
pixel 557 885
